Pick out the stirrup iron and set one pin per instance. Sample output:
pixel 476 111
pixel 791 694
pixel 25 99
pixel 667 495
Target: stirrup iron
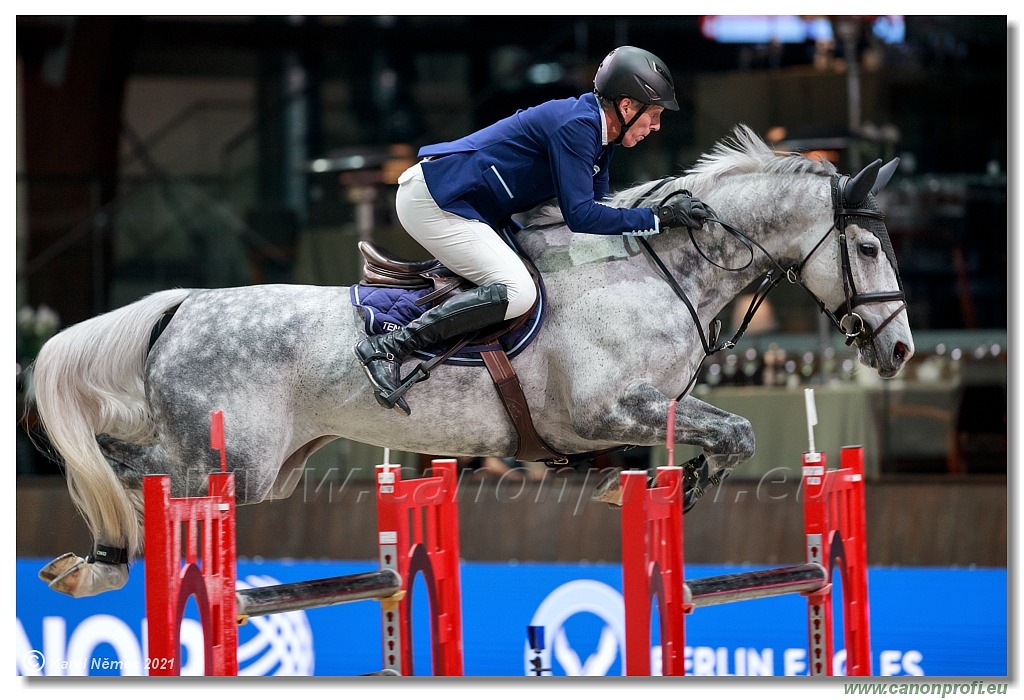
pixel 395 399
pixel 418 374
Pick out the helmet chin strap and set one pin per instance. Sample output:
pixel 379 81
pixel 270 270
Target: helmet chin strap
pixel 623 124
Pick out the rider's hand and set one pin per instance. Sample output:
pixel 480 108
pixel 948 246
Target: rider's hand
pixel 685 210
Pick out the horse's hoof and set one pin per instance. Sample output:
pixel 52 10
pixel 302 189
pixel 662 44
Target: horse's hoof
pixel 65 574
pixel 59 566
pixel 609 490
pixel 697 479
pixel 74 576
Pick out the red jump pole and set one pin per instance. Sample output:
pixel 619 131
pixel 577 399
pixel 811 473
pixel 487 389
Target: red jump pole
pixel 418 531
pixel 835 537
pixel 652 566
pixel 206 571
pixel 834 525
pixel 202 565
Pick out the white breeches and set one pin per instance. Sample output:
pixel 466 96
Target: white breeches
pixel 467 247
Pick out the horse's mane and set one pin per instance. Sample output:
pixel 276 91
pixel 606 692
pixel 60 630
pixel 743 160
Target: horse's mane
pixel 742 152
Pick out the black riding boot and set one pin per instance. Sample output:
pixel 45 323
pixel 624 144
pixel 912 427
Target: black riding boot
pixel 382 355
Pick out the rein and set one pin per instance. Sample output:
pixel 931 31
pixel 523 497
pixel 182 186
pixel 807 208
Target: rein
pixel 848 323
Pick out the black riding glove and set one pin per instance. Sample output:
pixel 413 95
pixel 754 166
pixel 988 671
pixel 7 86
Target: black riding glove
pixel 685 210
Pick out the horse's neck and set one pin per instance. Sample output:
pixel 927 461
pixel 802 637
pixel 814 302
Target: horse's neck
pixel 783 220
pixel 713 275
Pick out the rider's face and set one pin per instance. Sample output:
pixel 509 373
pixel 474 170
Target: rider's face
pixel 649 121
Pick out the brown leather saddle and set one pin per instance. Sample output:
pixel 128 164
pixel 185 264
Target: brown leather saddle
pixel 382 269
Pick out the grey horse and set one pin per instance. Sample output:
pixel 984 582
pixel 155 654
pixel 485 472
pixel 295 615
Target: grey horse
pixel 277 359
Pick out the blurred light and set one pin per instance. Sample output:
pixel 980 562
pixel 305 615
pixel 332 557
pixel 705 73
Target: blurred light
pixel 819 29
pixel 789 29
pixel 753 29
pixel 824 155
pixel 545 73
pixel 890 29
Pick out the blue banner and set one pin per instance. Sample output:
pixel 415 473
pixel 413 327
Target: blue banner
pixel 933 622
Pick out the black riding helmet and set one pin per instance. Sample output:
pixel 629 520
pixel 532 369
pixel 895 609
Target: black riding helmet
pixel 640 75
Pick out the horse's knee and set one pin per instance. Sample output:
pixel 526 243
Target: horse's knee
pixel 738 437
pixel 742 433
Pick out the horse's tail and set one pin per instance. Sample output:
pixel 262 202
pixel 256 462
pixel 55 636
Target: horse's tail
pixel 86 381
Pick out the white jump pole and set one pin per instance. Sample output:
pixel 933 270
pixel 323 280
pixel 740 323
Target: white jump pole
pixel 812 420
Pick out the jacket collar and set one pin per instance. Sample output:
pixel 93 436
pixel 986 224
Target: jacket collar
pixel 604 122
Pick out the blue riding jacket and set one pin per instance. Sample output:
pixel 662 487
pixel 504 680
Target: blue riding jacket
pixel 556 149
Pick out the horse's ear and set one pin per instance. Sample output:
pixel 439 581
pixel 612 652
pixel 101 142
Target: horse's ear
pixel 859 186
pixel 884 175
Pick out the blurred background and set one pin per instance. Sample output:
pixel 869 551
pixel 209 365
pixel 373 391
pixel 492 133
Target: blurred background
pixel 212 151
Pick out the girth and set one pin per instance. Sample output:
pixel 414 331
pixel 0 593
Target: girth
pixel 382 269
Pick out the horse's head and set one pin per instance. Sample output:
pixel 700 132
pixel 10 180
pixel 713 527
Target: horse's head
pixel 853 273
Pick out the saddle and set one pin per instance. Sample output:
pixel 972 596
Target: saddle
pixel 383 269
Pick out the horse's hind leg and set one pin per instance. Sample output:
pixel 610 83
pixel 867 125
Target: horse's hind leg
pixel 107 568
pixel 189 464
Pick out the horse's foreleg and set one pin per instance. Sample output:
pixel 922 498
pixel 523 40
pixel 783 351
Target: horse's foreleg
pixel 727 439
pixel 640 417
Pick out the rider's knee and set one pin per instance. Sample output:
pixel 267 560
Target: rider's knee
pixel 521 297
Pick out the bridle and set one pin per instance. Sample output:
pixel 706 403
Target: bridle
pixel 844 318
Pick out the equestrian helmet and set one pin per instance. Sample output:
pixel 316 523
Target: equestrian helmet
pixel 640 75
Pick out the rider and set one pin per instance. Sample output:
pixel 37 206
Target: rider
pixel 452 201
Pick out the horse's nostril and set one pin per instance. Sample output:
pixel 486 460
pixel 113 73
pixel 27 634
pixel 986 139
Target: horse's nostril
pixel 899 353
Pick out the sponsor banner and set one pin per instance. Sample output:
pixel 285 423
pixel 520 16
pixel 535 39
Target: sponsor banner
pixel 933 622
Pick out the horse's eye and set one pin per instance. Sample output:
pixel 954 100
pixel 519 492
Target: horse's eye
pixel 868 249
